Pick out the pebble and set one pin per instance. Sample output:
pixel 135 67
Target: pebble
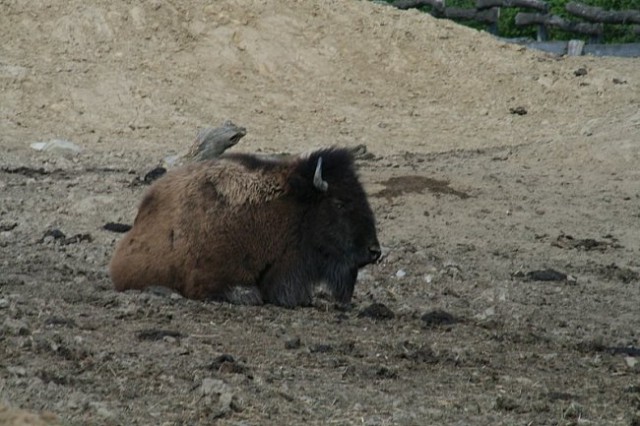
pixel 4 303
pixel 489 312
pixel 59 146
pixel 401 273
pixel 292 343
pixel 376 311
pixel 102 410
pixel 18 371
pixel 631 361
pixel 210 386
pixel 16 327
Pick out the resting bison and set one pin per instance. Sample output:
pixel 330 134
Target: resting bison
pixel 250 229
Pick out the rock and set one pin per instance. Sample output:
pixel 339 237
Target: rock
pixel 401 273
pixel 321 348
pixel 59 146
pixel 15 327
pixel 102 410
pixel 211 386
pixel 487 313
pixel 220 360
pixel 4 303
pixel 292 343
pixel 116 227
pixel 377 311
pixel 217 394
pixel 505 403
pixel 154 174
pixel 438 318
pixel 631 361
pixel 546 275
pixel 18 371
pixel 157 334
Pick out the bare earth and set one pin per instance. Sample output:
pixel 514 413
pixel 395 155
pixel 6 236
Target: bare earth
pixel 470 197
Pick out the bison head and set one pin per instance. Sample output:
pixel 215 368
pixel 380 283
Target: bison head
pixel 337 227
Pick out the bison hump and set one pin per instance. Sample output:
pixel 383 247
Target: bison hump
pixel 233 184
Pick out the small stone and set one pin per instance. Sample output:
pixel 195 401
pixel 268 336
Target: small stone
pixel 547 275
pixel 18 371
pixel 4 303
pixel 631 361
pixel 505 403
pixel 102 410
pixel 16 327
pixel 438 318
pixel 169 339
pixel 580 72
pixel 489 312
pixel 377 311
pixel 59 146
pixel 117 227
pixel 321 348
pixel 221 360
pixel 292 343
pixel 210 386
pixel 401 273
pixel 157 334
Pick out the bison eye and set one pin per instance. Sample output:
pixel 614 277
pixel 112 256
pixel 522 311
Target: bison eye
pixel 338 204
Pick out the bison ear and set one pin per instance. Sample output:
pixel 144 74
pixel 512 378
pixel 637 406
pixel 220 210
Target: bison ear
pixel 320 184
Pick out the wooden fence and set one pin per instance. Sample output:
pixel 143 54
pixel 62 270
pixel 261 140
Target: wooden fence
pixel 591 19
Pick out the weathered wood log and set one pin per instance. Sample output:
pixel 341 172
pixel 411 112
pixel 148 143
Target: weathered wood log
pixel 598 14
pixel 523 19
pixel 489 16
pixel 412 4
pixel 530 4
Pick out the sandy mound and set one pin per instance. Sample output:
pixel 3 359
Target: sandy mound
pixel 298 74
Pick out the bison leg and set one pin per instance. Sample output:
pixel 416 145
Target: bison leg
pixel 288 287
pixel 240 295
pixel 341 281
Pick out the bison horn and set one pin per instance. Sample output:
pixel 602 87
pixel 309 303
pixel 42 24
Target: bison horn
pixel 318 182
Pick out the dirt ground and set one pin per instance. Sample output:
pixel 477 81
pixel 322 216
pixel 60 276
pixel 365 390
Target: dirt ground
pixel 488 164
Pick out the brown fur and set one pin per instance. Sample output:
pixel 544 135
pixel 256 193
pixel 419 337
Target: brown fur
pixel 209 227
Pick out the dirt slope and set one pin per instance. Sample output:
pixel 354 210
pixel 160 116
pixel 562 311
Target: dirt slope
pixel 489 161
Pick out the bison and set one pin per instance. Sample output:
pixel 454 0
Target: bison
pixel 252 229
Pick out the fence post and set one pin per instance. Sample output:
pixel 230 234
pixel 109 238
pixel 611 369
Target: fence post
pixel 542 34
pixel 574 47
pixel 493 28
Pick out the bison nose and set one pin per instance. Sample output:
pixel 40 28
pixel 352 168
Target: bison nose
pixel 375 252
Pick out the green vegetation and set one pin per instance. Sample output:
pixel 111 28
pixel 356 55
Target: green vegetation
pixel 508 28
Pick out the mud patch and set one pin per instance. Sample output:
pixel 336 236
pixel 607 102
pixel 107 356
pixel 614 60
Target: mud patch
pixel 155 334
pixel 619 273
pixel 377 311
pixel 402 185
pixel 587 244
pixel 438 318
